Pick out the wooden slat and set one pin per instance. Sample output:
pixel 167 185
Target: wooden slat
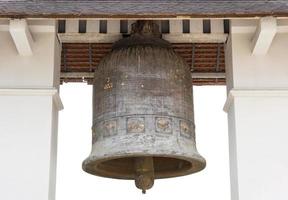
pixel 77 59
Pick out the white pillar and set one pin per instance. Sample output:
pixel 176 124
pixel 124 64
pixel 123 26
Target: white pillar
pixel 29 104
pixel 257 107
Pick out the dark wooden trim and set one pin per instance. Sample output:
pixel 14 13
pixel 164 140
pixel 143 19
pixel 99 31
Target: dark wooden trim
pixel 206 26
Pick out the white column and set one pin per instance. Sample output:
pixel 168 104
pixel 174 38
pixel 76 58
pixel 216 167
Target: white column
pixel 29 104
pixel 257 107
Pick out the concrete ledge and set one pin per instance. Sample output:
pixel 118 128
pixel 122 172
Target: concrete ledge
pixel 35 25
pixel 195 37
pixel 253 93
pixel 89 37
pixel 34 92
pixel 113 37
pixel 91 75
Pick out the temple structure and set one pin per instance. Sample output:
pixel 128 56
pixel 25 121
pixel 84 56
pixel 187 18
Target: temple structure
pixel 242 44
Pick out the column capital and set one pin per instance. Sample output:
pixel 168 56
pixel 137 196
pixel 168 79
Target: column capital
pixel 281 92
pixel 34 92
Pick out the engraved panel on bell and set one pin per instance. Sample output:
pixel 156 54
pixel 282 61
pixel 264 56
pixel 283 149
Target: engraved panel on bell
pixel 186 129
pixel 163 125
pixel 108 85
pixel 136 125
pixel 107 128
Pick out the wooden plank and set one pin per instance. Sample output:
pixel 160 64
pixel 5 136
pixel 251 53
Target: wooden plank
pixel 91 75
pixel 195 38
pixel 89 37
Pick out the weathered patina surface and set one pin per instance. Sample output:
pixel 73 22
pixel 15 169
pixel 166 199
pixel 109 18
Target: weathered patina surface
pixel 143 108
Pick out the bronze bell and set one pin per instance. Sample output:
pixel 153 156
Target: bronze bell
pixel 143 120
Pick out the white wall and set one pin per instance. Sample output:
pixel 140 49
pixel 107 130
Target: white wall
pixel 258 72
pixel 261 135
pixel 39 70
pixel 25 132
pixel 257 107
pixel 29 105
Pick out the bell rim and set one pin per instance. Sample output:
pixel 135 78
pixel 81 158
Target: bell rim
pixel 195 159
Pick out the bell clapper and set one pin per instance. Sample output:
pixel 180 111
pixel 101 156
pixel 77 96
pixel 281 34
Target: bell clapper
pixel 144 173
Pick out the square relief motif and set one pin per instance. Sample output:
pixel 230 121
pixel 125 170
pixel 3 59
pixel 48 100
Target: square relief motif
pixel 186 129
pixel 163 125
pixel 107 128
pixel 136 125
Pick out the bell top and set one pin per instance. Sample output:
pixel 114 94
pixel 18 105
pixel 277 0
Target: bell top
pixel 143 33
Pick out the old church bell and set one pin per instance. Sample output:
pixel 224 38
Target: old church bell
pixel 143 120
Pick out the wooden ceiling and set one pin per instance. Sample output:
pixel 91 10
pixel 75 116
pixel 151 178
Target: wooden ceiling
pixel 79 60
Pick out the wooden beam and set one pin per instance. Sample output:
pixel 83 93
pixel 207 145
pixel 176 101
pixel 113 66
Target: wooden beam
pixel 208 75
pixel 89 37
pixel 264 35
pixel 77 75
pixel 21 36
pixel 113 37
pixel 175 34
pixel 195 37
pixel 90 75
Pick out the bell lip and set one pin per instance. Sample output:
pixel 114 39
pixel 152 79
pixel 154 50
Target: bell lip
pixel 196 159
